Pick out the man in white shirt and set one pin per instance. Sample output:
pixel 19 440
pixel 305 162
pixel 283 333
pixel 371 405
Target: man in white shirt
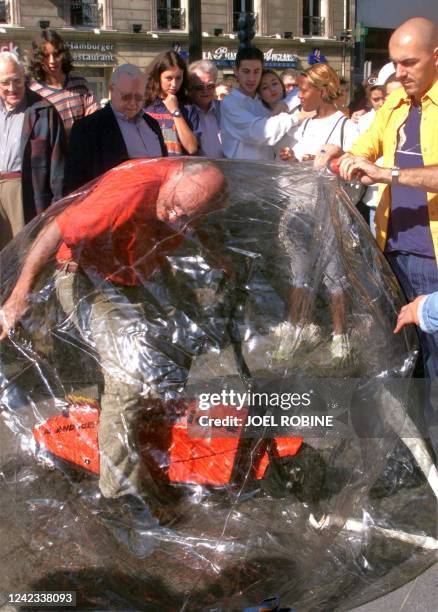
pixel 247 129
pixel 202 87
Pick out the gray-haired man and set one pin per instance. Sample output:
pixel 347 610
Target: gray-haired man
pixel 32 149
pixel 203 77
pixel 115 133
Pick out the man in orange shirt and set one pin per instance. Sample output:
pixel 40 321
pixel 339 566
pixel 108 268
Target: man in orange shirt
pixel 107 246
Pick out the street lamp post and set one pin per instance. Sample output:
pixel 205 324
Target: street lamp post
pixel 195 30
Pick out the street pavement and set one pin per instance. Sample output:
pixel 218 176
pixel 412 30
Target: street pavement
pixel 419 595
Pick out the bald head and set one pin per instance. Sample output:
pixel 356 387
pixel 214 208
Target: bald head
pixel 195 189
pixel 418 30
pixel 413 48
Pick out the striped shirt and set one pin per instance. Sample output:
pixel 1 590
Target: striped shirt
pixel 72 101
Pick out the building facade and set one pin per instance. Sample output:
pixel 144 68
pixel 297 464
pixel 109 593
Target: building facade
pixel 381 18
pixel 105 33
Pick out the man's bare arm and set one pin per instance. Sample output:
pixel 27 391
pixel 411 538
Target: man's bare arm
pixel 422 178
pixel 357 168
pixel 45 245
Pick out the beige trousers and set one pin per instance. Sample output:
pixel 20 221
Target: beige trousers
pixel 133 367
pixel 11 210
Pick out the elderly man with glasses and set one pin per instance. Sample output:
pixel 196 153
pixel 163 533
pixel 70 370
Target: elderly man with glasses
pixel 205 109
pixel 32 149
pixel 118 132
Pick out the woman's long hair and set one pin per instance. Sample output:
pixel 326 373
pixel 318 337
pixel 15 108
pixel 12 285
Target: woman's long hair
pixel 37 56
pixel 283 88
pixel 163 62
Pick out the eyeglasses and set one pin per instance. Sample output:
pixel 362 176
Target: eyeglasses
pixel 14 82
pixel 202 87
pixel 128 97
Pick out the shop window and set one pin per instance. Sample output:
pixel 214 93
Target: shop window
pixel 241 8
pixel 313 23
pixel 85 13
pixel 170 15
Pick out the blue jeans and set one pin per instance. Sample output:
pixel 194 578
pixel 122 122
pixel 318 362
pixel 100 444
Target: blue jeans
pixel 417 276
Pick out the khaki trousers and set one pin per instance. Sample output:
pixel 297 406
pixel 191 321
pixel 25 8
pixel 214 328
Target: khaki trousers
pixel 11 210
pixel 140 368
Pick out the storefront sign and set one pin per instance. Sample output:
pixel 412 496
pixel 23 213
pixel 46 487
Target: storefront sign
pixel 9 46
pixel 227 58
pixel 92 52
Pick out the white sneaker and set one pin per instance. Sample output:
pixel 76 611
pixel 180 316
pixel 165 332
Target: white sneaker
pixel 340 349
pixel 310 334
pixel 294 338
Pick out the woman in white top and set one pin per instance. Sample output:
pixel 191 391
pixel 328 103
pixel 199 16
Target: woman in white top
pixel 272 92
pixel 319 90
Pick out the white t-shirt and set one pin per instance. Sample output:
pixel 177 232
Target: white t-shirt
pixel 366 120
pixel 292 99
pixel 289 141
pixel 370 197
pixel 315 133
pixel 247 130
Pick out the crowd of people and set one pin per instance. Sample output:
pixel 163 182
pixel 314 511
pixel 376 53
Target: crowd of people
pixel 55 139
pixel 49 113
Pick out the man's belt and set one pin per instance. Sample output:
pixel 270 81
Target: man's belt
pixel 67 266
pixel 8 176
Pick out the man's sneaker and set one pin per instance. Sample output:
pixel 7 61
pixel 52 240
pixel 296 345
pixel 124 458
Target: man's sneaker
pixel 340 349
pixel 135 512
pixel 132 522
pixel 295 338
pixel 126 509
pixel 311 335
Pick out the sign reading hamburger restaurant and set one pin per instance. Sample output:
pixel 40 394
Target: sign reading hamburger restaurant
pixel 92 52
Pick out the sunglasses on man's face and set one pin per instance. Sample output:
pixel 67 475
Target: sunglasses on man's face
pixel 128 97
pixel 203 87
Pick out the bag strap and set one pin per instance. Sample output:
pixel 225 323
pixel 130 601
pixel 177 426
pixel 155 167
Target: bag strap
pixel 344 120
pixel 342 132
pixel 305 124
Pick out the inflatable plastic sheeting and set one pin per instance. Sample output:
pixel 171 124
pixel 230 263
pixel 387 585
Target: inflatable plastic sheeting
pixel 137 469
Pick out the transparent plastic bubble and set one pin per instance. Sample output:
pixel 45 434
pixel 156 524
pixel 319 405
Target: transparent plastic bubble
pixel 144 458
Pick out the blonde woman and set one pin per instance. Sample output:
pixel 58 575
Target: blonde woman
pixel 319 90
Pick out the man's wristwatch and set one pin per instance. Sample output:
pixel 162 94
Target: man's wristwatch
pixel 176 113
pixel 395 173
